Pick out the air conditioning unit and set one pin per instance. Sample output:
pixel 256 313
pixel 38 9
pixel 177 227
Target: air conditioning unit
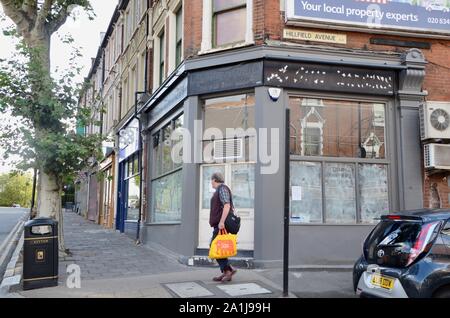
pixel 435 120
pixel 228 149
pixel 437 157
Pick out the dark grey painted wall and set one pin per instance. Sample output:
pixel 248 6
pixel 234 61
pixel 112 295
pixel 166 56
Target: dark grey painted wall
pixel 269 191
pixel 326 245
pixel 410 156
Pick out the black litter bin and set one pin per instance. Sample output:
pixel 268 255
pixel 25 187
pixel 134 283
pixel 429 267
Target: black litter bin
pixel 40 256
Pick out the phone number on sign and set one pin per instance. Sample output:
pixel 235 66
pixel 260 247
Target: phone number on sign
pixel 438 21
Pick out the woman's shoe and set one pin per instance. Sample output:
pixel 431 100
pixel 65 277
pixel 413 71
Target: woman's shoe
pixel 228 276
pixel 219 278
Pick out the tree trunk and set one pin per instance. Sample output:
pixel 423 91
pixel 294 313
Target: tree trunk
pixel 49 186
pixel 49 204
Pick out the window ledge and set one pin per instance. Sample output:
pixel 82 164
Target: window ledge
pixel 225 48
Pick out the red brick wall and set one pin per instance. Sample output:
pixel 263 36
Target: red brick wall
pixel 442 190
pixel 267 20
pixel 193 11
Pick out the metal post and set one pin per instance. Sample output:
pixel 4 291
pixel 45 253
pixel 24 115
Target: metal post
pixel 286 207
pixel 33 194
pixel 136 115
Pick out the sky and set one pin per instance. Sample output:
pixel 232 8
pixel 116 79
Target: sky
pixel 86 34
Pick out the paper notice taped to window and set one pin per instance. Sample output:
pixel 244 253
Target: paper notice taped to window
pixel 296 193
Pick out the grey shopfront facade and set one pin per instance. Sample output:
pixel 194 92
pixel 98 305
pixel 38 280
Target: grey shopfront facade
pixel 310 79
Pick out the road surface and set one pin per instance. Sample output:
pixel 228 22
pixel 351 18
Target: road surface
pixel 8 219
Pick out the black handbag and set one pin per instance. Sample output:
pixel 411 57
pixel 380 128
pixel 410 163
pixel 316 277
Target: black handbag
pixel 232 223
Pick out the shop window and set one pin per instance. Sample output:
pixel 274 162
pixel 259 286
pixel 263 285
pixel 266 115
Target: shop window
pixel 306 193
pixel 230 18
pixel 243 185
pixel 166 175
pixel 234 118
pixel 133 198
pixel 340 199
pixel 347 129
pixel 374 191
pixel 179 124
pixel 133 185
pixel 163 144
pixel 348 180
pixel 166 200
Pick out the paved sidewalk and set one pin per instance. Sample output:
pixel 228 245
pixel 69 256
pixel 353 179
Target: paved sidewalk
pixel 195 284
pixel 103 253
pixel 112 266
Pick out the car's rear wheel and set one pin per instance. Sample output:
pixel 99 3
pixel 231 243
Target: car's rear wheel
pixel 442 293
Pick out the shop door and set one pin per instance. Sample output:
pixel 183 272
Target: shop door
pixel 241 180
pixel 122 196
pixel 105 219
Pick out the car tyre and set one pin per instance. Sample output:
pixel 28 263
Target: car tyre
pixel 442 293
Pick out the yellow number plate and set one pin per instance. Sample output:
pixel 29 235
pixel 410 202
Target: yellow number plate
pixel 383 281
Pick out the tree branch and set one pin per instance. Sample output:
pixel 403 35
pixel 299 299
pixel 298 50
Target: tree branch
pixel 30 7
pixel 13 9
pixel 59 20
pixel 44 13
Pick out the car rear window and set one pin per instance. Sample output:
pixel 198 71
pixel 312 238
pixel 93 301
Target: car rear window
pixel 391 233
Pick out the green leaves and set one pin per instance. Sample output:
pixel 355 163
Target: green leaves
pixel 15 188
pixel 46 108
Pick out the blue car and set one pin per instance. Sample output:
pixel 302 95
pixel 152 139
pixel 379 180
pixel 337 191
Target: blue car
pixel 407 255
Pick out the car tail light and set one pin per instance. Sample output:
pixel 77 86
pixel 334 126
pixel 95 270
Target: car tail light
pixel 422 244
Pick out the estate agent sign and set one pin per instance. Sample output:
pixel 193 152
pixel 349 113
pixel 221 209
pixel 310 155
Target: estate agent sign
pixel 403 15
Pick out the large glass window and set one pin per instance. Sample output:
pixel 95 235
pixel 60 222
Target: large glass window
pixel 374 191
pixel 348 180
pixel 166 175
pixel 235 113
pixel 133 185
pixel 243 185
pixel 166 201
pixel 340 193
pixel 336 128
pixel 306 193
pixel 230 20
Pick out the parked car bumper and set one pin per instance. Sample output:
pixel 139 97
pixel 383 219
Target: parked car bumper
pixel 405 285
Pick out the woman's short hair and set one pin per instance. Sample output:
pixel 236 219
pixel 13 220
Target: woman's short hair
pixel 218 177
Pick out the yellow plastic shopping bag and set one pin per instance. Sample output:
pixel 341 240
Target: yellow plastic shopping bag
pixel 223 246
